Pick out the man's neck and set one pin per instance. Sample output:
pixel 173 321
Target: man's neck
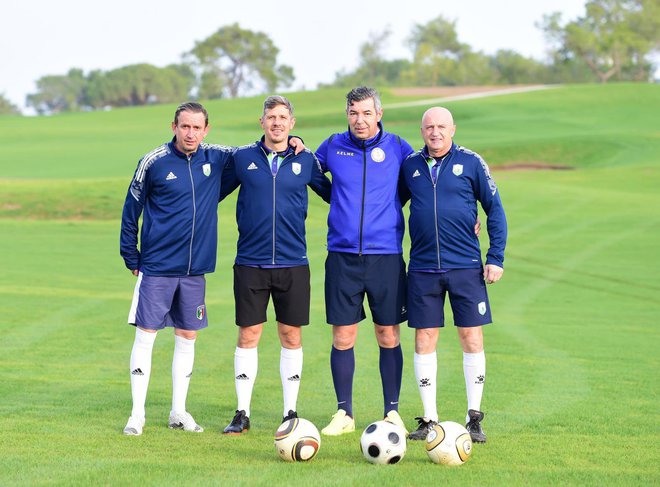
pixel 276 147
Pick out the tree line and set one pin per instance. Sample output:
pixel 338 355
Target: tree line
pixel 613 40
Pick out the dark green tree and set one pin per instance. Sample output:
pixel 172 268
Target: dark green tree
pixel 139 84
pixel 233 61
pixel 59 93
pixel 614 38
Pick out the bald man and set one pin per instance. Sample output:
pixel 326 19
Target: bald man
pixel 443 182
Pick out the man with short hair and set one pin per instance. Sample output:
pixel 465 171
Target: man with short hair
pixel 175 188
pixel 444 181
pixel 271 258
pixel 365 232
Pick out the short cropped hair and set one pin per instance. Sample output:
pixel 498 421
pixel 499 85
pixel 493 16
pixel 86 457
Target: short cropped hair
pixel 362 93
pixel 191 106
pixel 275 100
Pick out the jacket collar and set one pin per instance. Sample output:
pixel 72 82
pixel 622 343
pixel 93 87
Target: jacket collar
pixel 261 143
pixel 426 155
pixel 369 142
pixel 177 152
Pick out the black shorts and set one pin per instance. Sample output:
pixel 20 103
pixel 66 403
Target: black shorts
pixel 348 277
pixel 289 287
pixel 467 296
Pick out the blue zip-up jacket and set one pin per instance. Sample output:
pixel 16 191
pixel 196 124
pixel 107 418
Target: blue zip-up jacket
pixel 442 215
pixel 178 197
pixel 365 211
pixel 271 210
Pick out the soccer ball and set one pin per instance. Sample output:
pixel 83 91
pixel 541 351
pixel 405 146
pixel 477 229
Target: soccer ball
pixel 448 443
pixel 383 442
pixel 297 440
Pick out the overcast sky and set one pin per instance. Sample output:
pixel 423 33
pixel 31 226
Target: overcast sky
pixel 318 39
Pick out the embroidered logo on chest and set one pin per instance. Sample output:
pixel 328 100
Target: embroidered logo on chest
pixel 378 155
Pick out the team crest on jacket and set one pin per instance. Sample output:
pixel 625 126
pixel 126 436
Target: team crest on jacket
pixel 201 310
pixel 206 169
pixel 296 167
pixel 457 169
pixel 378 155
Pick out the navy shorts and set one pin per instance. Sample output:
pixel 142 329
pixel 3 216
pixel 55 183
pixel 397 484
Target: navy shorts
pixel 348 277
pixel 169 301
pixel 467 296
pixel 289 287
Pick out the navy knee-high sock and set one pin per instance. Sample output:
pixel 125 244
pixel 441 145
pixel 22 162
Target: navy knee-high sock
pixel 391 372
pixel 342 365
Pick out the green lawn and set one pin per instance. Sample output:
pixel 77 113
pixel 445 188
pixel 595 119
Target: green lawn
pixel 572 363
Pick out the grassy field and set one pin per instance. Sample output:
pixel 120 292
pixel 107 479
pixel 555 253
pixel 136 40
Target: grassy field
pixel 572 386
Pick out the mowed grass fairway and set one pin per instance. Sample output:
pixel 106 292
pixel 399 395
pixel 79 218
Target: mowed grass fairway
pixel 572 386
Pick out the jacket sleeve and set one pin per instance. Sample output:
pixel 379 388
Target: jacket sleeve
pixel 319 182
pixel 228 181
pixel 322 155
pixel 489 197
pixel 406 149
pixel 404 192
pixel 133 206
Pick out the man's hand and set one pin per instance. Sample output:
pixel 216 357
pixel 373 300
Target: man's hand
pixel 492 273
pixel 477 227
pixel 297 144
pixel 135 272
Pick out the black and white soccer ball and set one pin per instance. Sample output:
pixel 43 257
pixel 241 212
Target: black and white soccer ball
pixel 297 440
pixel 383 443
pixel 448 443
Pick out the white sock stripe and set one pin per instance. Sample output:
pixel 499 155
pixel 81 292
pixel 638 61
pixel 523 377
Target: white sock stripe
pixel 136 297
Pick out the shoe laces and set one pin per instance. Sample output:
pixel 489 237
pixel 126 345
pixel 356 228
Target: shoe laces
pixel 422 421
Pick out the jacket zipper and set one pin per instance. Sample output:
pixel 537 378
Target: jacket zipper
pixel 274 209
pixel 364 190
pixel 435 215
pixel 192 235
pixel 273 237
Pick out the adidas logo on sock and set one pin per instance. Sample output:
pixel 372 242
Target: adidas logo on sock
pixel 252 166
pixel 242 377
pixel 480 379
pixel 294 378
pixel 137 371
pixel 424 382
pixel 170 176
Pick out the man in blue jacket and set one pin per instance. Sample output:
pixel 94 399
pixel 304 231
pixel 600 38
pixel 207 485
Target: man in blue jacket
pixel 271 257
pixel 444 181
pixel 176 189
pixel 365 232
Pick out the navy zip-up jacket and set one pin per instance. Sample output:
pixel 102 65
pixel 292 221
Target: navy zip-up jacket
pixel 178 198
pixel 271 210
pixel 365 211
pixel 442 215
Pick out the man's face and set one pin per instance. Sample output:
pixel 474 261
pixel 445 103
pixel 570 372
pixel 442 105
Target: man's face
pixel 363 118
pixel 189 131
pixel 437 131
pixel 277 123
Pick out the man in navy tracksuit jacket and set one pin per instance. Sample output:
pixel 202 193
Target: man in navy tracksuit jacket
pixel 176 189
pixel 365 232
pixel 271 257
pixel 444 183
